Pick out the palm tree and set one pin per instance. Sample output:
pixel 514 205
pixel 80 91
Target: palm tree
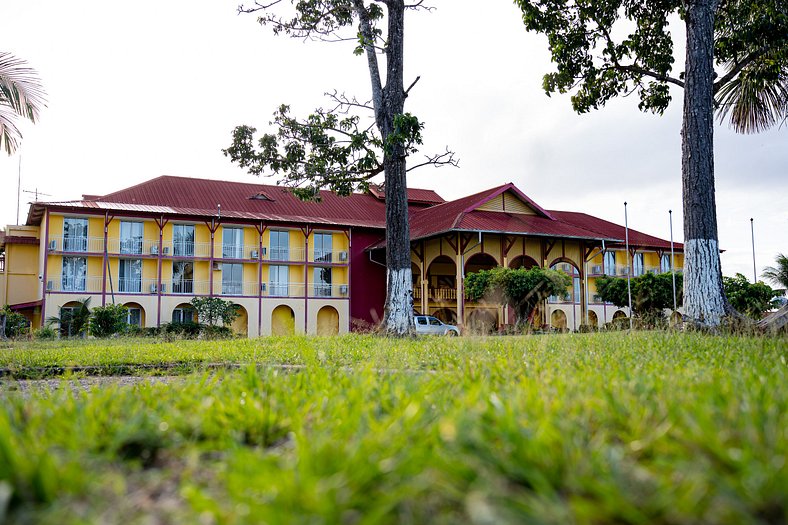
pixel 778 274
pixel 21 95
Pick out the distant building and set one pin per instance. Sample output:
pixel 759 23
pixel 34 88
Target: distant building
pixel 303 267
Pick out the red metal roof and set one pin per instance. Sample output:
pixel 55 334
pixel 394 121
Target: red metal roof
pixel 612 230
pixel 415 195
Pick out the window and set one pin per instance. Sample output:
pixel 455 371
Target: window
pixel 610 263
pixel 74 274
pixel 421 320
pixel 279 278
pixel 323 247
pixel 182 277
pixel 233 243
pixel 322 281
pixel 130 237
pixel 576 289
pixel 134 317
pixel 183 314
pixel 280 245
pixel 130 276
pixel 434 321
pixel 232 278
pixel 664 263
pixel 637 264
pixel 183 240
pixel 75 234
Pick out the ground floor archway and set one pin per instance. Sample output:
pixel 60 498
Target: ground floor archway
pixel 483 320
pixel 135 316
pixel 593 320
pixel 283 320
pixel 241 324
pixel 327 321
pixel 447 315
pixel 558 320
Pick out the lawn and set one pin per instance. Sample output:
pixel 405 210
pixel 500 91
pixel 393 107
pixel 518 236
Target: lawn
pixel 593 428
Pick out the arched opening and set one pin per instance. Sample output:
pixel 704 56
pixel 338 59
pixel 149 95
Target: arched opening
pixel 447 315
pixel 415 273
pixel 675 319
pixel 523 261
pixel 480 261
pixel 558 320
pixel 73 318
pixel 619 315
pixel 184 313
pixel 572 294
pixel 241 324
pixel 327 321
pixel 593 319
pixel 442 279
pixel 483 320
pixel 282 320
pixel 135 315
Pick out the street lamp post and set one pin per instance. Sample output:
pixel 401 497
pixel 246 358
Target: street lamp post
pixel 672 260
pixel 754 272
pixel 629 268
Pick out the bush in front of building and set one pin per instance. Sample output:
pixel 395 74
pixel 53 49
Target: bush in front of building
pixel 108 320
pixel 45 333
pixel 16 324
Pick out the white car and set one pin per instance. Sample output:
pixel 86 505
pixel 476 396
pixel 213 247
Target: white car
pixel 426 324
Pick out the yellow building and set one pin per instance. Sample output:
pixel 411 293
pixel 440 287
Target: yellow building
pixel 301 267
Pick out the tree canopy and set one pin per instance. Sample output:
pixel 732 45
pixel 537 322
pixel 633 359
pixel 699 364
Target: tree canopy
pixel 778 274
pixel 651 294
pixel 751 299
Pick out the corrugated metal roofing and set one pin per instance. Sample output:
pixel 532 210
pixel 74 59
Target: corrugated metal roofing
pixel 610 229
pixel 415 195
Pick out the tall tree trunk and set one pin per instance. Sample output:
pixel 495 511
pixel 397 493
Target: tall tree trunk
pixel 398 310
pixel 704 298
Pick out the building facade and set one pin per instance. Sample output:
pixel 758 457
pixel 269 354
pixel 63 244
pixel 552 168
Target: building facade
pixel 303 267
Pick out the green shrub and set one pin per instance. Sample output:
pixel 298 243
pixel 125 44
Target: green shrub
pixel 108 320
pixel 217 332
pixel 45 333
pixel 16 324
pixel 188 330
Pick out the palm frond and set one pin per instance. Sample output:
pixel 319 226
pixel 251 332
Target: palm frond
pixel 21 95
pixel 757 99
pixel 778 274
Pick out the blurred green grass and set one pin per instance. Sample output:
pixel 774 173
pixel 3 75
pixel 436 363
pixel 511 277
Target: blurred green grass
pixel 592 428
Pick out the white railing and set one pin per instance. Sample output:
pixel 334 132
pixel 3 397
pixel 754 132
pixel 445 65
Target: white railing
pixel 69 244
pixel 283 290
pixel 132 246
pixel 188 249
pixel 330 256
pixel 74 284
pixel 242 288
pixel 329 290
pixel 234 251
pixel 285 254
pixel 566 298
pixel 188 287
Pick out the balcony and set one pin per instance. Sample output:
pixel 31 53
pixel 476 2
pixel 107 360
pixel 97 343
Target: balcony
pixel 329 257
pixel 132 246
pixel 285 254
pixel 329 290
pixel 436 294
pixel 188 287
pixel 283 290
pixel 240 288
pixel 74 284
pixel 68 244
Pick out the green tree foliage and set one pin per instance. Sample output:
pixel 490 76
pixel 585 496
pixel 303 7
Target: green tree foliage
pixel 21 95
pixel 108 320
pixel 214 311
pixel 651 294
pixel 74 321
pixel 778 274
pixel 521 289
pixel 15 323
pixel 751 299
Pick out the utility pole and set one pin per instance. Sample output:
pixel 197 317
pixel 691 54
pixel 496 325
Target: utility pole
pixel 629 268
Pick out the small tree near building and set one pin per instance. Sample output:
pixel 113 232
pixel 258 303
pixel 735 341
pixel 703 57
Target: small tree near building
pixel 213 311
pixel 751 299
pixel 521 289
pixel 651 294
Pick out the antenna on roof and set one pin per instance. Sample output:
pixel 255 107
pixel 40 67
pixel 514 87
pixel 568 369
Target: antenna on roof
pixel 36 193
pixel 219 210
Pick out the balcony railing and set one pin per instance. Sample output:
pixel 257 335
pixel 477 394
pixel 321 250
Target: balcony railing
pixel 329 290
pixel 74 284
pixel 234 251
pixel 284 290
pixel 132 246
pixel 436 294
pixel 241 288
pixel 329 256
pixel 69 244
pixel 188 287
pixel 285 254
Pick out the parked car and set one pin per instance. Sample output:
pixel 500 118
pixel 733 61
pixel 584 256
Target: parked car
pixel 427 324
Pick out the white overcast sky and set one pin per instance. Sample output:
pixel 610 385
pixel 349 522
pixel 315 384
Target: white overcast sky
pixel 153 87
